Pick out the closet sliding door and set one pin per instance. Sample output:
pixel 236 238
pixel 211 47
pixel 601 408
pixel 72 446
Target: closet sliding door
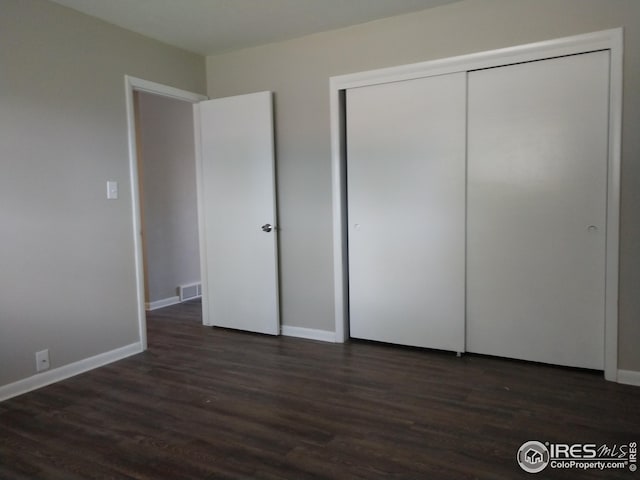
pixel 537 190
pixel 406 211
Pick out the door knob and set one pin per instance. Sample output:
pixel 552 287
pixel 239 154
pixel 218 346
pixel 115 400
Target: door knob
pixel 592 228
pixel 267 227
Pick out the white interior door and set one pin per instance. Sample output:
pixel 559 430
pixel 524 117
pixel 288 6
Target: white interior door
pixel 406 211
pixel 537 186
pixel 238 219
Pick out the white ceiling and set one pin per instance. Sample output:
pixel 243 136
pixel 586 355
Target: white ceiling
pixel 210 27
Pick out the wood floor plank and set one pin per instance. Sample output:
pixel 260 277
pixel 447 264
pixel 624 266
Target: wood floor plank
pixel 207 403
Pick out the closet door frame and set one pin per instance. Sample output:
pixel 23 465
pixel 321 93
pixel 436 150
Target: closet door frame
pixel 611 40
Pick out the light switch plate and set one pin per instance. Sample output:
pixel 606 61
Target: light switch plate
pixel 112 190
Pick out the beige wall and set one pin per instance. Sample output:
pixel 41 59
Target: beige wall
pixel 67 280
pixel 167 172
pixel 298 72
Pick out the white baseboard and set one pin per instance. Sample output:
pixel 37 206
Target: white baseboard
pixel 52 376
pixel 309 333
pixel 163 302
pixel 629 377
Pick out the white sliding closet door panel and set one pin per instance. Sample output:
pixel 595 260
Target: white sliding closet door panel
pixel 406 210
pixel 537 186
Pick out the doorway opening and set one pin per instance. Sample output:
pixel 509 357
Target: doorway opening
pixel 163 191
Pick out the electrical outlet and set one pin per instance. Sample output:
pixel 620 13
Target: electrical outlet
pixel 42 360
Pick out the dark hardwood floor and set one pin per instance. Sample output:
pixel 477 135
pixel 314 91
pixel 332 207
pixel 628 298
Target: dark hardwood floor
pixel 205 403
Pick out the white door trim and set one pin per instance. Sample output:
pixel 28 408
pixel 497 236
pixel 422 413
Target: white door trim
pixel 133 84
pixel 603 40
